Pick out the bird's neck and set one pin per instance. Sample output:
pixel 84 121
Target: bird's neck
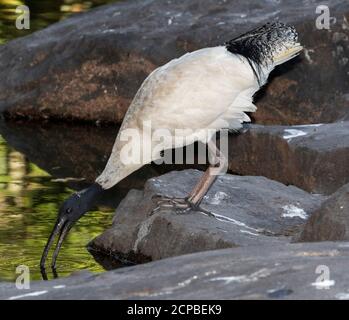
pixel 91 194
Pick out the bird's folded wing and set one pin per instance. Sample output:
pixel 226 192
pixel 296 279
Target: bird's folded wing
pixel 209 88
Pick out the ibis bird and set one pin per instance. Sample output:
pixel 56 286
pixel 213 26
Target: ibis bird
pixel 210 88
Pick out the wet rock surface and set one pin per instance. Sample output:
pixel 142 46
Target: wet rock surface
pixel 89 67
pixel 284 271
pixel 248 211
pixel 312 157
pixel 331 221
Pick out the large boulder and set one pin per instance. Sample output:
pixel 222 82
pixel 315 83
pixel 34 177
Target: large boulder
pixel 248 211
pixel 312 157
pixel 89 67
pixel 284 271
pixel 331 221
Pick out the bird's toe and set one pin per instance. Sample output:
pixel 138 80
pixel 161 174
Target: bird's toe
pixel 177 205
pixel 165 203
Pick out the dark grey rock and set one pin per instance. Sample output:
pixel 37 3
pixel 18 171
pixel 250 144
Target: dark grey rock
pixel 331 221
pixel 89 67
pixel 312 157
pixel 249 211
pixel 283 271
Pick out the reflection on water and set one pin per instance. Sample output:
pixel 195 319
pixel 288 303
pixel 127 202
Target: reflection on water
pixel 42 12
pixel 29 200
pixel 29 196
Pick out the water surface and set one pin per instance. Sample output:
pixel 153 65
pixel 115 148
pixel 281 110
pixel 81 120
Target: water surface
pixel 29 200
pixel 42 12
pixel 39 168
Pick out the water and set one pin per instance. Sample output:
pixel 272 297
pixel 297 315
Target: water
pixel 42 12
pixel 40 166
pixel 29 200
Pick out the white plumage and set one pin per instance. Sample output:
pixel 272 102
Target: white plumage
pixel 203 90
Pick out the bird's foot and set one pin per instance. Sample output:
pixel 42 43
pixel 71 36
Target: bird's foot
pixel 179 205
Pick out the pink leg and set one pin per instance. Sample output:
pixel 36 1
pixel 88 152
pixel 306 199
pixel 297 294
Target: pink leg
pixel 201 188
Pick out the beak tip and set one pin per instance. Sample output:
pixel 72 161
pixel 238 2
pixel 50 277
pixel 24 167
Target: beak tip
pixel 61 229
pixel 43 260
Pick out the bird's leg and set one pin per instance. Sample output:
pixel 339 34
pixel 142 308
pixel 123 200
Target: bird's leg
pixel 192 202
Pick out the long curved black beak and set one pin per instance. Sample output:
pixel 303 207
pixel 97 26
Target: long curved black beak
pixel 70 212
pixel 61 228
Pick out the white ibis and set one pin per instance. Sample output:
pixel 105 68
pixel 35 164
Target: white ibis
pixel 210 88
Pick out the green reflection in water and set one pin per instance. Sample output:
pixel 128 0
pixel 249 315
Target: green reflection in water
pixel 29 200
pixel 29 197
pixel 42 14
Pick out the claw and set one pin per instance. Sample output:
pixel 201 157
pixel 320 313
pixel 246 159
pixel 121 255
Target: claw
pixel 170 203
pixel 179 205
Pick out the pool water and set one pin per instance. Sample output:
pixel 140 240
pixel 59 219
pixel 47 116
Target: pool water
pixel 29 195
pixel 29 201
pixel 42 14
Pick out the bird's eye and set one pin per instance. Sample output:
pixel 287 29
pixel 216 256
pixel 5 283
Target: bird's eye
pixel 68 210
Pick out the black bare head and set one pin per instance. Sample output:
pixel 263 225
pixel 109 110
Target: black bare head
pixel 266 46
pixel 70 212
